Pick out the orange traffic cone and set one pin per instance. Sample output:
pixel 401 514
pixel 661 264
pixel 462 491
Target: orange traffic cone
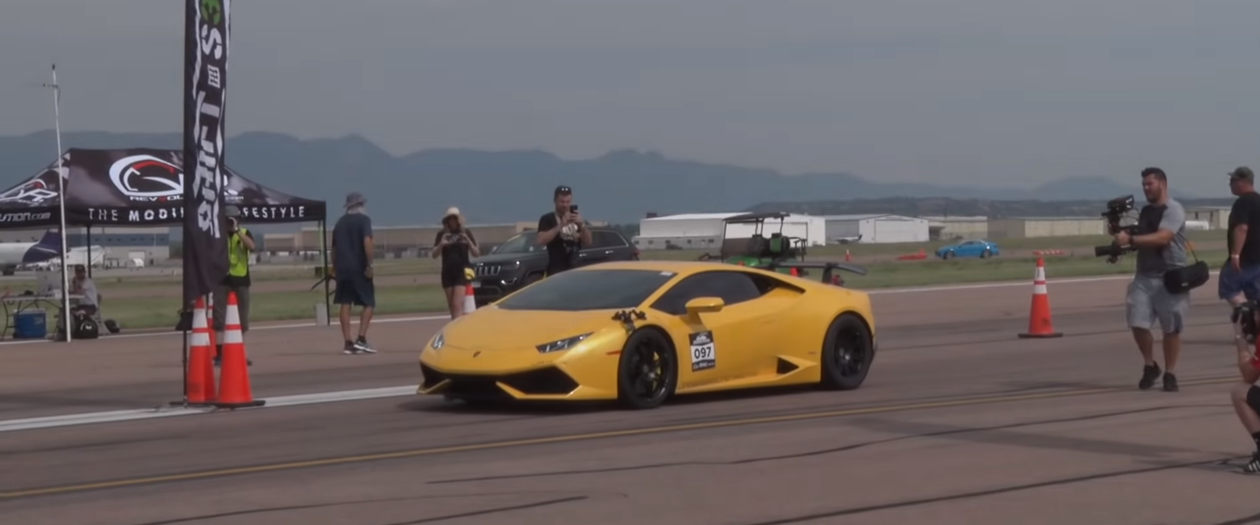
pixel 234 390
pixel 847 258
pixel 200 387
pixel 470 299
pixel 1039 324
pixel 795 273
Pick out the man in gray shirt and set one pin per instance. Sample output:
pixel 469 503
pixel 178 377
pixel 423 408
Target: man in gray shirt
pixel 1160 243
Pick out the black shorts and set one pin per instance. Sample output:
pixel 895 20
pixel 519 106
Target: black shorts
pixel 355 289
pixel 1253 398
pixel 453 276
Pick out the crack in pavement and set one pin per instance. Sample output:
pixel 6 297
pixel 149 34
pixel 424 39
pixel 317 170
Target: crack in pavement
pixel 845 448
pixel 509 508
pixel 988 492
pixel 1249 520
pixel 547 503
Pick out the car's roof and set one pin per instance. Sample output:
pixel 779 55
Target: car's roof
pixel 687 268
pixel 660 265
pixel 679 267
pixel 532 231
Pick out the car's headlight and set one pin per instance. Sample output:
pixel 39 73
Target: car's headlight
pixel 563 344
pixel 438 341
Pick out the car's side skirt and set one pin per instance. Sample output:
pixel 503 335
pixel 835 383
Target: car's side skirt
pixel 790 371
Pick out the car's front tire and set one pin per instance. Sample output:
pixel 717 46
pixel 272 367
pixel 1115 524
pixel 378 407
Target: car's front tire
pixel 647 371
pixel 847 354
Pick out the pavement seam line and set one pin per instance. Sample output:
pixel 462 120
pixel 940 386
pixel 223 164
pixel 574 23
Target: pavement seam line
pixel 276 467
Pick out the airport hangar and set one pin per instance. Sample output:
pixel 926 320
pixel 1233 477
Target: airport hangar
pixel 704 231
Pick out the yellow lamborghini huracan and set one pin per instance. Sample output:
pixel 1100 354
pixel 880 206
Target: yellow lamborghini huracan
pixel 641 331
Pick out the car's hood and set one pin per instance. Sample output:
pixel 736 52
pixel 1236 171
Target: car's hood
pixel 493 328
pixel 501 258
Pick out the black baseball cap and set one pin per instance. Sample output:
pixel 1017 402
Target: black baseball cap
pixel 1244 173
pixel 561 190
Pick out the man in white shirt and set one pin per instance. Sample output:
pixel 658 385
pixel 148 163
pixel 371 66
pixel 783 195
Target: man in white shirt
pixel 83 285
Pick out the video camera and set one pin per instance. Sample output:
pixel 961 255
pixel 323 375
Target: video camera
pixel 1244 316
pixel 1116 209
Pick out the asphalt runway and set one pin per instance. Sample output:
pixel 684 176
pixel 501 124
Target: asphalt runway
pixel 959 422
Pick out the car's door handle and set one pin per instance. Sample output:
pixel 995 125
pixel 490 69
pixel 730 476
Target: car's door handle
pixel 608 252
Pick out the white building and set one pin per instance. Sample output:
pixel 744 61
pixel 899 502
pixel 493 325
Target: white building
pixel 703 231
pixel 1216 217
pixel 958 227
pixel 1027 227
pixel 876 228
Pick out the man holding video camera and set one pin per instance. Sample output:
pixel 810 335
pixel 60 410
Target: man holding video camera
pixel 1160 243
pixel 1246 395
pixel 563 232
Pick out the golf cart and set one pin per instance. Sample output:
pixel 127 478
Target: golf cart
pixel 776 252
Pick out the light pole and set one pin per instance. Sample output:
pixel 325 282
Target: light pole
pixel 61 204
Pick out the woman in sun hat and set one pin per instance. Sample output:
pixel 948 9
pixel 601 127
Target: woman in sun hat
pixel 456 245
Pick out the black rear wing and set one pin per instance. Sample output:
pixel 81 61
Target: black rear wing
pixel 826 267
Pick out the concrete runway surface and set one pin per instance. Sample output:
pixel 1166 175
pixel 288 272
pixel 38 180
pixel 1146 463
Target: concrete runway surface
pixel 959 422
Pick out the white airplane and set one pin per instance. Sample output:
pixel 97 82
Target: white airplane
pixel 14 254
pixel 74 257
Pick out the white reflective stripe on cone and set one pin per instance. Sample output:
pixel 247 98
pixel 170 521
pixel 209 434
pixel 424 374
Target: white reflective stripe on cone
pixel 232 336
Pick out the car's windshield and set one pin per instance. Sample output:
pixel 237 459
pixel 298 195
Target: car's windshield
pixel 522 243
pixel 578 290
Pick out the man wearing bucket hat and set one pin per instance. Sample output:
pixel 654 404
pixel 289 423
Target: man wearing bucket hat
pixel 456 245
pixel 352 254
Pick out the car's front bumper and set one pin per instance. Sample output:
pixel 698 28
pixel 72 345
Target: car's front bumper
pixel 473 374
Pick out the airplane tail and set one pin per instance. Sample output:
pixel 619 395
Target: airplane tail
pixel 50 242
pixel 46 248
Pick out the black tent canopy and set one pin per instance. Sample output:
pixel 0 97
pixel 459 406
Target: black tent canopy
pixel 139 187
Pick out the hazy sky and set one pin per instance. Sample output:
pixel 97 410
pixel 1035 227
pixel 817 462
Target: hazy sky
pixel 989 92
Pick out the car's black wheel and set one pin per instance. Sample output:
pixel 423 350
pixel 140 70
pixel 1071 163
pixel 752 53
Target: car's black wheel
pixel 648 370
pixel 986 254
pixel 848 352
pixel 948 255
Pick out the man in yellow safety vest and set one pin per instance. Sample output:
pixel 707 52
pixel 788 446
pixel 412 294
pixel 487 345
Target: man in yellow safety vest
pixel 240 246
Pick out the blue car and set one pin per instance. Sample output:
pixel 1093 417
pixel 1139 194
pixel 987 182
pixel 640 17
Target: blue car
pixel 970 248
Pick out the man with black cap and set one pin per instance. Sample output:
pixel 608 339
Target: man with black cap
pixel 240 245
pixel 352 255
pixel 563 232
pixel 1239 280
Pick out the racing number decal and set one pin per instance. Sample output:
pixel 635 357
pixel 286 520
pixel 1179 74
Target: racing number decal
pixel 703 356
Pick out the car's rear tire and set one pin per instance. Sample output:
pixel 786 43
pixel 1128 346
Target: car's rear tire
pixel 647 371
pixel 847 354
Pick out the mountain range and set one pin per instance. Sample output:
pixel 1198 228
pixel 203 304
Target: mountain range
pixel 620 186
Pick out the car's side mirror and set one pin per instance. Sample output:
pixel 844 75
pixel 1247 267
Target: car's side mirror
pixel 704 305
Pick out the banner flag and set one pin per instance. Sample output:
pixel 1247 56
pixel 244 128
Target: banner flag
pixel 206 34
